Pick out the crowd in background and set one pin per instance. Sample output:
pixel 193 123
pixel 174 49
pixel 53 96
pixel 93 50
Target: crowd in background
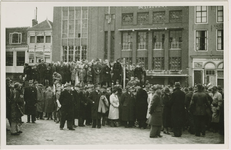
pixel 91 94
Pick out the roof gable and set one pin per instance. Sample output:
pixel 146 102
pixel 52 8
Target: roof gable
pixel 46 24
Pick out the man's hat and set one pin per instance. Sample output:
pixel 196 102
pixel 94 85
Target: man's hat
pixel 30 82
pixel 67 85
pixel 177 84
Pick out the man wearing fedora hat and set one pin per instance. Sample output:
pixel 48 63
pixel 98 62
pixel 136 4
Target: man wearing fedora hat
pixel 30 97
pixel 177 110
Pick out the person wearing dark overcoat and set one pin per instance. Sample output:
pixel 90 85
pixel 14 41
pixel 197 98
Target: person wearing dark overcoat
pixel 88 107
pixel 67 107
pixel 16 109
pixel 27 71
pixel 106 75
pixel 156 114
pixel 189 118
pixel 128 107
pixel 94 97
pixel 166 110
pixel 199 103
pixel 89 75
pixel 141 106
pixel 49 102
pixel 96 73
pixel 177 110
pixel 30 98
pixel 77 98
pixel 116 72
pixel 138 72
pixel 42 71
pixel 8 100
pixel 40 105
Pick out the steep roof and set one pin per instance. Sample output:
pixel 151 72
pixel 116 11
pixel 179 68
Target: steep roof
pixel 46 24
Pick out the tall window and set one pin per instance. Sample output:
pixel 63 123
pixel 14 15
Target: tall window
pixel 201 40
pixel 142 40
pixel 71 54
pixel 20 58
pixel 201 14
pixel 48 39
pixel 158 39
pixel 71 28
pixel 15 38
pixel 65 53
pixel 175 63
pixel 127 40
pixel 9 58
pixel 158 63
pixel 40 39
pixel 84 52
pixel 175 39
pixel 105 44
pixel 220 40
pixel 219 13
pixel 32 39
pixel 77 53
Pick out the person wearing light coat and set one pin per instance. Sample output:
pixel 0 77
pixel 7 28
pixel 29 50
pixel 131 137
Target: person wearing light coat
pixel 114 108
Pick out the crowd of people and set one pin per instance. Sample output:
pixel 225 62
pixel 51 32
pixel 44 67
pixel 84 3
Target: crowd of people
pixel 99 102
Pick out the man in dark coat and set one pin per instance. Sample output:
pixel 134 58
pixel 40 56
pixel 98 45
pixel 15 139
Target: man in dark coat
pixel 67 107
pixel 106 75
pixel 27 72
pixel 117 72
pixel 94 97
pixel 128 107
pixel 189 121
pixel 96 68
pixel 177 110
pixel 30 97
pixel 141 106
pixel 42 71
pixel 199 103
pixel 138 72
pixel 77 98
pixel 8 100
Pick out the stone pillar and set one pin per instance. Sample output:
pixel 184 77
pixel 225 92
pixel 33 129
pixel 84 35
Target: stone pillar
pixel 134 46
pixel 150 50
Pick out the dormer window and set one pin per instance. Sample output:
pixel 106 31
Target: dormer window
pixel 15 38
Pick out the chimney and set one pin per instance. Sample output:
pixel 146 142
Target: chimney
pixel 34 21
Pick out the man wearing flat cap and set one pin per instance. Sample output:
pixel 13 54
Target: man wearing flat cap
pixel 177 110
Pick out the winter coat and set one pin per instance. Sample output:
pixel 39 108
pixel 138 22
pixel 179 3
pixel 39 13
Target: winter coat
pixel 16 106
pixel 138 72
pixel 89 76
pixel 40 99
pixel 77 98
pixel 67 104
pixel 156 110
pixel 106 73
pixel 177 108
pixel 117 71
pixel 97 72
pixel 114 107
pixel 28 72
pixel 103 104
pixel 30 98
pixel 199 103
pixel 166 110
pixel 127 103
pixel 49 102
pixel 82 74
pixel 141 104
pixel 94 98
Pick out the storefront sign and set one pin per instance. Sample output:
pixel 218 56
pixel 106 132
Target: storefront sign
pixel 148 7
pixel 219 26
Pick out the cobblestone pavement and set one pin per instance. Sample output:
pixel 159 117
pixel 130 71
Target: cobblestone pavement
pixel 46 132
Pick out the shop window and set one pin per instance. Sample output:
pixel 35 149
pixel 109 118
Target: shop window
pixel 143 18
pixel 84 52
pixel 175 16
pixel 201 14
pixel 15 38
pixel 210 72
pixel 142 40
pixel 47 59
pixel 220 41
pixel 219 13
pixel 32 39
pixel 20 58
pixel 201 40
pixel 158 63
pixel 9 58
pixel 220 73
pixel 175 39
pixel 175 63
pixel 159 17
pixel 127 19
pixel 158 39
pixel 40 39
pixel 127 41
pixel 48 39
pixel 143 61
pixel 31 58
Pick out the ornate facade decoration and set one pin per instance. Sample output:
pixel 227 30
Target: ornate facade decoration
pixel 143 18
pixel 159 17
pixel 175 16
pixel 127 19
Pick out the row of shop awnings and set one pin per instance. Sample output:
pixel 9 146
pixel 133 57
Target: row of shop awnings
pixel 149 29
